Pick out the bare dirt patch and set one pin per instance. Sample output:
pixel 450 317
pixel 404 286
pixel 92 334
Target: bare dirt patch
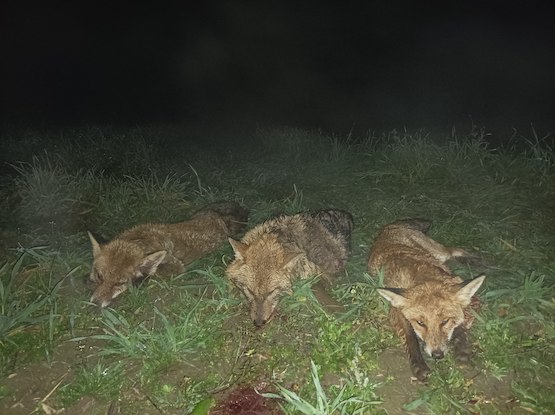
pixel 31 385
pixel 496 392
pixel 398 388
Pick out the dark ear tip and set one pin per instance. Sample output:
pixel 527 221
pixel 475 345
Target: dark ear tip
pixel 481 277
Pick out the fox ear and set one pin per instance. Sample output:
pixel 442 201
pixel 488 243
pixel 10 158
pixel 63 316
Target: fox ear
pixel 95 245
pixel 394 296
pixel 239 248
pixel 468 289
pixel 150 263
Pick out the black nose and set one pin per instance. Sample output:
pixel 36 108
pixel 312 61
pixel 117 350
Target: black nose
pixel 259 322
pixel 437 354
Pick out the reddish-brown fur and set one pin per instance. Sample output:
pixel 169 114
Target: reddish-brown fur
pixel 274 253
pixel 428 301
pixel 160 248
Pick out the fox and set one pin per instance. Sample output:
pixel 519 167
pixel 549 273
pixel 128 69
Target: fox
pixel 429 303
pixel 274 253
pixel 163 249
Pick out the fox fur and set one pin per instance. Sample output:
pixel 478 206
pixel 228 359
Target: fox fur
pixel 271 255
pixel 160 248
pixel 428 302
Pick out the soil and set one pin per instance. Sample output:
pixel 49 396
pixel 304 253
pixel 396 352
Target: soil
pixel 31 386
pixel 400 387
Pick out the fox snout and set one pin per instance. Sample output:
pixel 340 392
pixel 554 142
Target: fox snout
pixel 102 303
pixel 435 346
pixel 103 295
pixel 262 311
pixel 259 321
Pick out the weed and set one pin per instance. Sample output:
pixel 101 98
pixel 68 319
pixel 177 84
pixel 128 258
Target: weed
pixel 102 381
pixel 321 405
pixel 17 313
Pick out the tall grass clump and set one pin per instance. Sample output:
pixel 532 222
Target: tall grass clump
pixel 141 199
pixel 321 404
pixel 29 307
pixel 47 193
pixel 102 381
pixel 164 338
pixel 538 156
pixel 292 143
pixel 107 151
pixel 17 314
pixel 417 157
pixel 297 145
pixel 125 338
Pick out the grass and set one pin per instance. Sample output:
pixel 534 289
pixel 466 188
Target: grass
pixel 17 316
pixel 323 405
pixel 101 381
pixel 172 344
pixel 30 319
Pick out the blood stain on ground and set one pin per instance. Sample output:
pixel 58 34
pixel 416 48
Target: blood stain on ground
pixel 246 401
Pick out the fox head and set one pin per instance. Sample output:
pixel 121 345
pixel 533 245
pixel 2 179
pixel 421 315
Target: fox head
pixel 434 310
pixel 116 265
pixel 263 273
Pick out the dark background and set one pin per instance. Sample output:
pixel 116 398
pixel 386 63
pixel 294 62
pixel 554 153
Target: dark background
pixel 334 65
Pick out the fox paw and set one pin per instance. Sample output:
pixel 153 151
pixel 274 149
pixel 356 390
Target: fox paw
pixel 421 372
pixel 462 352
pixel 463 356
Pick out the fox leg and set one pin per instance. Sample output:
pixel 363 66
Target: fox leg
pixel 170 266
pixel 461 346
pixel 440 252
pixel 418 366
pixel 434 248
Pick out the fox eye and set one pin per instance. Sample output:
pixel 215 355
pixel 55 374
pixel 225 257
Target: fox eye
pixel 420 323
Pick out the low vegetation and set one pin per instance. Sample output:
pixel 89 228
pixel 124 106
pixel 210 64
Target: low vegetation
pixel 180 345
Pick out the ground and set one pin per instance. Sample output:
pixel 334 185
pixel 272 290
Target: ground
pixel 186 344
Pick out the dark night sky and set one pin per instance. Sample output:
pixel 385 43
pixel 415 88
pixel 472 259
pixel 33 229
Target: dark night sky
pixel 329 64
